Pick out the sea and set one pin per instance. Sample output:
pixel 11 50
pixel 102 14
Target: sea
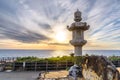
pixel 53 53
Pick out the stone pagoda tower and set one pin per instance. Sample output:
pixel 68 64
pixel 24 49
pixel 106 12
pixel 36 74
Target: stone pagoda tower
pixel 78 29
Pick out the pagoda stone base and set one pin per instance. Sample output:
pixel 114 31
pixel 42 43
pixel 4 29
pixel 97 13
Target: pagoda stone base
pixel 78 50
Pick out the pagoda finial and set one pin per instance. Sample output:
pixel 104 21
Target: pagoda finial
pixel 77 16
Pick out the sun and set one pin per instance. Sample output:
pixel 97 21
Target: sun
pixel 60 37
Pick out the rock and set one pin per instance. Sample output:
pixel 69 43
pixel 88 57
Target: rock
pixel 99 68
pixel 75 71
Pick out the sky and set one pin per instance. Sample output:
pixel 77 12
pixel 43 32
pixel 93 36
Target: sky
pixel 41 24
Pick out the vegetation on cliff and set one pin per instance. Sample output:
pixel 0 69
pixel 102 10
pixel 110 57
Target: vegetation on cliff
pixel 51 59
pixel 59 59
pixel 114 58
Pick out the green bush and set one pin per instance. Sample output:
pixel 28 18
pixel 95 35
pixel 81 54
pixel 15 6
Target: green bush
pixel 52 59
pixel 114 58
pixel 73 59
pixel 28 59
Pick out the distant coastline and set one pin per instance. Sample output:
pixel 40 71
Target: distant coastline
pixel 52 53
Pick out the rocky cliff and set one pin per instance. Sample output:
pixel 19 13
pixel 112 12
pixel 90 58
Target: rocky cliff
pixel 99 68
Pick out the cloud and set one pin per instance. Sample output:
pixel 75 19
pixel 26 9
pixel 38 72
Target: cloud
pixel 60 44
pixel 44 25
pixel 17 32
pixel 32 21
pixel 104 21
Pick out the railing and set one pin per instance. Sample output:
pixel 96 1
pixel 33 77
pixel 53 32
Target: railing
pixel 8 63
pixel 8 59
pixel 41 66
pixel 47 66
pixel 116 63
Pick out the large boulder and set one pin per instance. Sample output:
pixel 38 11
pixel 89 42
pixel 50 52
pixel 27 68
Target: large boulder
pixel 99 68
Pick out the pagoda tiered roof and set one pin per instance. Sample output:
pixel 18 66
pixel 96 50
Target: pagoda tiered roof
pixel 78 25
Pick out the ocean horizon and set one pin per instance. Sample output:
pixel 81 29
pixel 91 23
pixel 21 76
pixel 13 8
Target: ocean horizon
pixel 52 53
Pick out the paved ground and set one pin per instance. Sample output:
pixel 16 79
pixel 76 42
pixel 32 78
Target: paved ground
pixel 18 75
pixel 31 75
pixel 56 74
